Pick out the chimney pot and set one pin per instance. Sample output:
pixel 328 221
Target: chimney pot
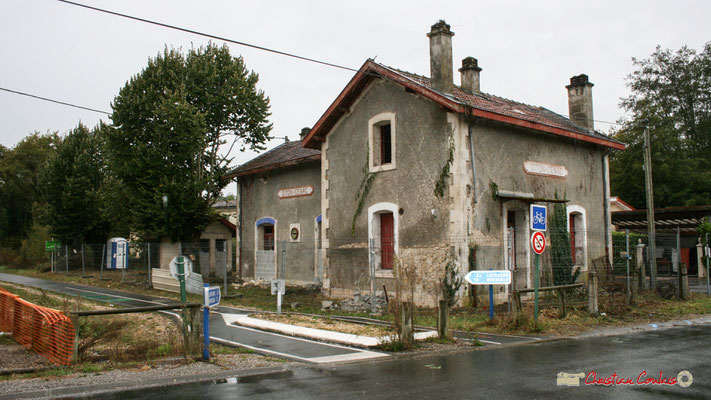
pixel 304 131
pixel 470 74
pixel 580 105
pixel 441 67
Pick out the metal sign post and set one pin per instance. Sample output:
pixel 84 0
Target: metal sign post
pixel 211 298
pixel 491 278
pixel 278 288
pixel 179 268
pixel 538 242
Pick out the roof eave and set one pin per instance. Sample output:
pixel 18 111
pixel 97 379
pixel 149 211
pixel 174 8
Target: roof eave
pixel 290 163
pixel 357 83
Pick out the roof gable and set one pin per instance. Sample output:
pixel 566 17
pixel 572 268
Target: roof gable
pixel 285 155
pixel 474 104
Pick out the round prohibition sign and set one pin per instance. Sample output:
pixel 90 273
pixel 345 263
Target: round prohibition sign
pixel 538 242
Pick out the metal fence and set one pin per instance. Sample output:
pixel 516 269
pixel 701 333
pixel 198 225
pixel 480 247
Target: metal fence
pixel 674 253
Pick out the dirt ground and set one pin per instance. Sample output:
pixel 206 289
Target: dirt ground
pixel 326 323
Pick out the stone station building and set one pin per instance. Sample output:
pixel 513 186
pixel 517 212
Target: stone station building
pixel 407 169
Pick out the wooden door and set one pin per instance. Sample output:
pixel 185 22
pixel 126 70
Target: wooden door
pixel 387 240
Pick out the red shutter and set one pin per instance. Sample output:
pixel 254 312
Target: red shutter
pixel 387 240
pixel 572 236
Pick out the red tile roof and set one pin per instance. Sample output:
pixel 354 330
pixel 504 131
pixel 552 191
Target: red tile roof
pixel 476 104
pixel 284 155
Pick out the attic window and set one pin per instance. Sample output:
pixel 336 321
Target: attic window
pixel 381 140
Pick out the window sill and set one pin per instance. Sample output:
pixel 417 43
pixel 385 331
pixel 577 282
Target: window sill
pixel 381 168
pixel 384 273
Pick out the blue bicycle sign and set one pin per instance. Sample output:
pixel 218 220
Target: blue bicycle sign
pixel 538 217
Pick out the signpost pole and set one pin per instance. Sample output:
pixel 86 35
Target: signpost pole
pixel 491 300
pixel 103 259
pixel 181 278
pixel 206 326
pixel 627 261
pixel 708 256
pixel 537 263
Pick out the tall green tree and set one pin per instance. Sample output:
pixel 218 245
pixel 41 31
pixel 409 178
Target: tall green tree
pixel 671 92
pixel 73 182
pixel 175 124
pixel 20 188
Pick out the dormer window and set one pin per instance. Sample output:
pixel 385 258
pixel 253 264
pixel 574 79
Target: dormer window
pixel 381 138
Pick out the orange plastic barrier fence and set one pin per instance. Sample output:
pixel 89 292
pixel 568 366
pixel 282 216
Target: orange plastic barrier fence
pixel 46 331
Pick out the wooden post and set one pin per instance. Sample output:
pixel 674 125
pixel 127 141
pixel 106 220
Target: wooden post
pixel 592 293
pixel 75 346
pixel 642 283
pixel 406 312
pixel 443 319
pixel 561 298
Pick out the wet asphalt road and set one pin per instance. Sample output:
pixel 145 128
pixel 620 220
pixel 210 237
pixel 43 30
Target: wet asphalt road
pixel 517 372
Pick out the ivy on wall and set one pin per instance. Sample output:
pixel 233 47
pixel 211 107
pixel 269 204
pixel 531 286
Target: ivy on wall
pixel 363 190
pixel 441 183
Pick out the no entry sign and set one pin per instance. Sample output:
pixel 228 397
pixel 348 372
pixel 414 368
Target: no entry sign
pixel 538 242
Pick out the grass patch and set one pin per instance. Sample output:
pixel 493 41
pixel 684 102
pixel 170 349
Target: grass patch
pixel 7 340
pixel 220 349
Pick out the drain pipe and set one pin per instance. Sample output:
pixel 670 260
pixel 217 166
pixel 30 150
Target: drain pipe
pixel 606 201
pixel 471 154
pixel 239 228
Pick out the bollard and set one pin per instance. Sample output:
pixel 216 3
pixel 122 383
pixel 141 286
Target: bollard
pixel 592 293
pixel 442 319
pixel 406 311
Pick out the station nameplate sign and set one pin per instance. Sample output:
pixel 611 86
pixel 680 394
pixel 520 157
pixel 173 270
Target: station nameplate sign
pixel 298 191
pixel 537 168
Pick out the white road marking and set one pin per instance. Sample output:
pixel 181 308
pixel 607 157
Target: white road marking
pixel 356 354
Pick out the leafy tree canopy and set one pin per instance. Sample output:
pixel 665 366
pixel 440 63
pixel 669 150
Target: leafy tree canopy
pixel 20 168
pixel 72 184
pixel 670 91
pixel 171 122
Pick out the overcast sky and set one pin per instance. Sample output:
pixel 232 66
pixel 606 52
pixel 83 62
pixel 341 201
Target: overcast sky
pixel 528 49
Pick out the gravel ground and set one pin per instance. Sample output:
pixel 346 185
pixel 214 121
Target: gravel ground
pixel 14 356
pixel 217 364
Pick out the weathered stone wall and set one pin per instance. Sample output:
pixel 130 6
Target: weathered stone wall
pixel 260 199
pixel 421 136
pixel 500 152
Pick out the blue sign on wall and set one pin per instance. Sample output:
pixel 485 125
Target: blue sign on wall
pixel 538 217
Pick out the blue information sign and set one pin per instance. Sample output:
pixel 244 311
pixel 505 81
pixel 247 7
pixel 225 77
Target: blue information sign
pixel 500 277
pixel 212 296
pixel 538 217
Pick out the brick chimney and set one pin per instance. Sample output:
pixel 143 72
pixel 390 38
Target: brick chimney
pixel 304 131
pixel 580 105
pixel 441 67
pixel 470 74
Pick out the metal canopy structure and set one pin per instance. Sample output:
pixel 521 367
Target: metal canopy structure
pixel 687 219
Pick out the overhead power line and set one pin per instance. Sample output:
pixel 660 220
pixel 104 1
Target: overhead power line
pixel 55 101
pixel 177 28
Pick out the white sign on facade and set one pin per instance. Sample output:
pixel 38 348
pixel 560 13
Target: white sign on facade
pixel 296 192
pixel 536 168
